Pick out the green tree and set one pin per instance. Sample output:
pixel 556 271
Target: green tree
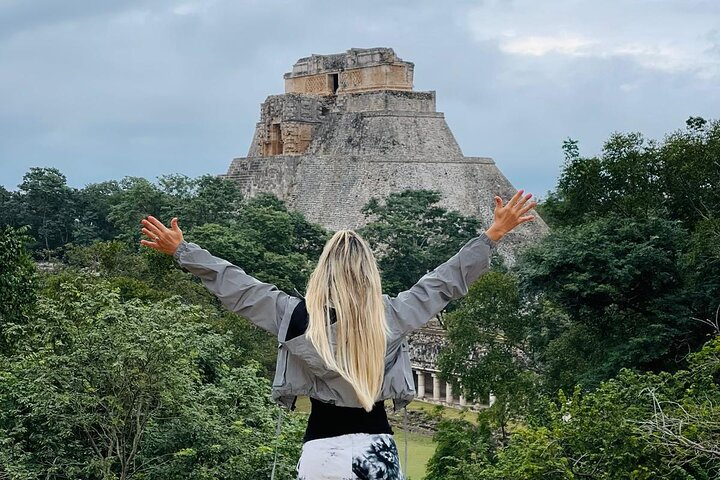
pixel 636 425
pixel 138 199
pixel 17 284
pixel 495 340
pixel 229 243
pixel 112 258
pixel 457 441
pixel 411 235
pixel 47 205
pixel 637 177
pixel 287 271
pixel 622 181
pixel 309 238
pixel 685 424
pixel 701 266
pixel 691 171
pixel 267 241
pixel 150 276
pixel 207 199
pixel 267 227
pixel 93 205
pixel 102 388
pixel 6 213
pixel 619 281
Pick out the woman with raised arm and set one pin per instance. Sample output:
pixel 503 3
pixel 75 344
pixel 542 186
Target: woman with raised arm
pixel 345 344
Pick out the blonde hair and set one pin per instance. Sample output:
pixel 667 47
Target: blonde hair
pixel 347 279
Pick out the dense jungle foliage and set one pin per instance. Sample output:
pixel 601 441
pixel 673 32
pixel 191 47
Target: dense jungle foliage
pixel 600 342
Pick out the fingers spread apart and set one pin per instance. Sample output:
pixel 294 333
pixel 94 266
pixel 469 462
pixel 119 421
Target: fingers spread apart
pixel 150 234
pixel 157 223
pixel 151 228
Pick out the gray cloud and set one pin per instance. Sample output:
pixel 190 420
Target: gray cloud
pixel 107 89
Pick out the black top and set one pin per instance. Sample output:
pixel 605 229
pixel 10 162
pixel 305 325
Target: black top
pixel 328 420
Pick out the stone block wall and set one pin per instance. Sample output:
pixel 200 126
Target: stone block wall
pixel 389 101
pixel 394 135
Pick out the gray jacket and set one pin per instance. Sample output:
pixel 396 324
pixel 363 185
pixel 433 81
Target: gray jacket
pixel 300 370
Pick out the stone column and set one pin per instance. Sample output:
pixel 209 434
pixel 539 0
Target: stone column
pixel 448 393
pixel 436 387
pixel 492 399
pixel 463 402
pixel 421 384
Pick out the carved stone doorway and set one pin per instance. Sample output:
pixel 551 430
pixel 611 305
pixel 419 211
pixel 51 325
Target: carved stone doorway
pixel 334 82
pixel 276 143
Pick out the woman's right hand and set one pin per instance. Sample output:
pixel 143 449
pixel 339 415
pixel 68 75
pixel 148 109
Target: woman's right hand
pixel 510 215
pixel 162 239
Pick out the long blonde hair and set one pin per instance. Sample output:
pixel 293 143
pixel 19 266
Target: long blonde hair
pixel 347 279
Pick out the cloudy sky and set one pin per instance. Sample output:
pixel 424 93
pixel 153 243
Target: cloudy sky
pixel 103 90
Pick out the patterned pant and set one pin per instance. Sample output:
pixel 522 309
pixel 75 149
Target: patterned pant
pixel 356 456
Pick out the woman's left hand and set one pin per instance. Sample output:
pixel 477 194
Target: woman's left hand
pixel 162 239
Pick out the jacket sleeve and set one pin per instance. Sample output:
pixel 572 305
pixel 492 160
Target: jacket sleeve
pixel 262 303
pixel 415 307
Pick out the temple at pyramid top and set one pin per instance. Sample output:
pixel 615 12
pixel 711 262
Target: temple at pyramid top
pixel 360 102
pixel 357 70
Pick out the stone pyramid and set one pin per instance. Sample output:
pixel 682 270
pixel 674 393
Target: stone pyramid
pixel 350 127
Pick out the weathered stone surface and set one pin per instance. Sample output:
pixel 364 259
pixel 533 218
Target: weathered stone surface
pixel 327 155
pixel 425 345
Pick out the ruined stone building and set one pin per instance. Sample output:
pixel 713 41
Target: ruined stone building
pixel 350 127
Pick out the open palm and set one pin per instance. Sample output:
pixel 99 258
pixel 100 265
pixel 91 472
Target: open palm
pixel 162 239
pixel 512 214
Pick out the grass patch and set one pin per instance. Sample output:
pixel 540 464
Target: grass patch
pixel 447 412
pixel 302 404
pixel 420 449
